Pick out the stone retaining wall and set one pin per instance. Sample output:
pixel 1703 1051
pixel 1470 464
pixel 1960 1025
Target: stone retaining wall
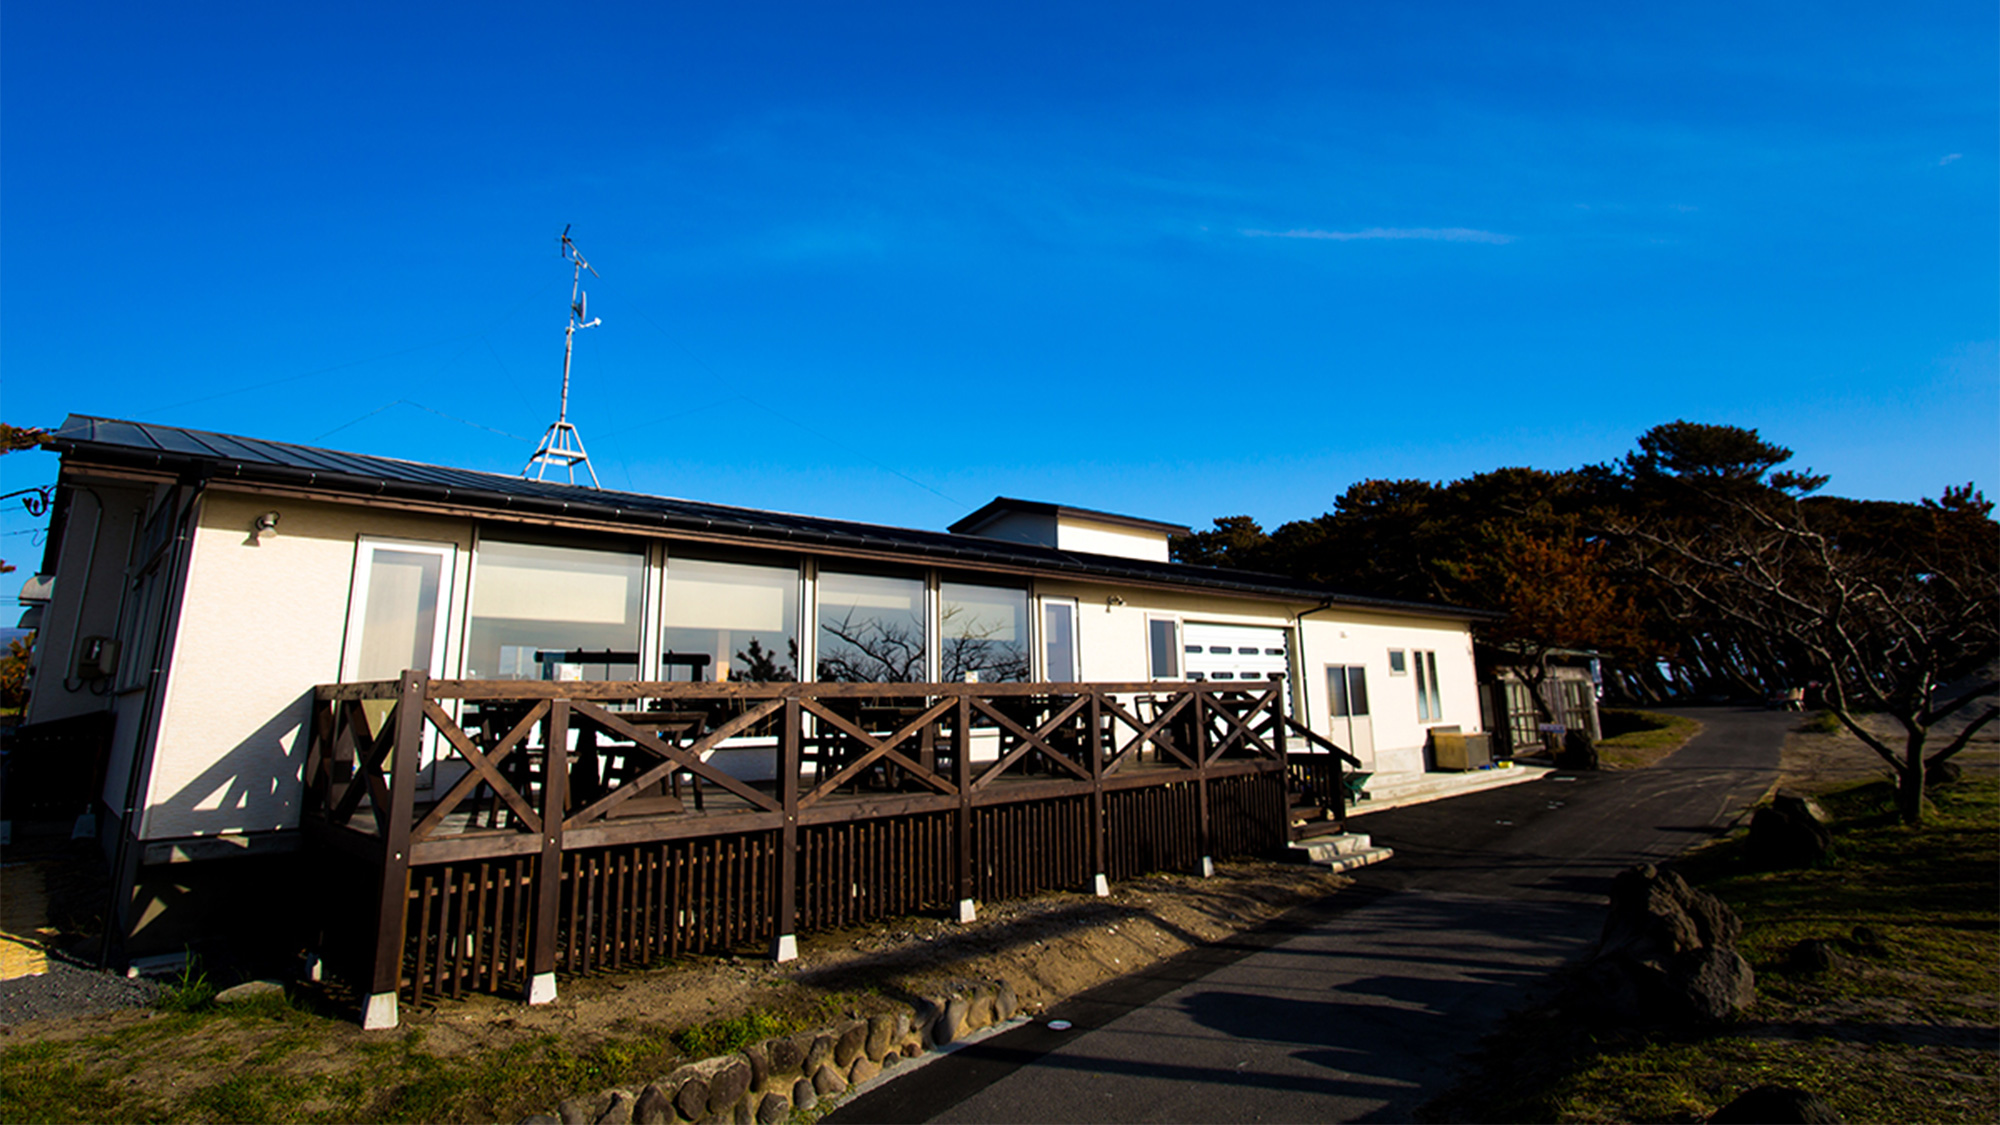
pixel 765 1082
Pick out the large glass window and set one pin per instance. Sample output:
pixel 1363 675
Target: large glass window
pixel 730 621
pixel 554 613
pixel 871 628
pixel 982 633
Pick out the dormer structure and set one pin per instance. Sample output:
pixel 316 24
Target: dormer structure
pixel 1071 529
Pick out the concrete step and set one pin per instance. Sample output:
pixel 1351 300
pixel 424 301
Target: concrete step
pixel 1344 852
pixel 1394 790
pixel 1348 842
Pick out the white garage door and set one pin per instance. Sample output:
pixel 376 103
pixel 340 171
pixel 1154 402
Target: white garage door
pixel 1234 652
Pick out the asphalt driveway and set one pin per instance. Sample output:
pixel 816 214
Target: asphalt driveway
pixel 1358 1007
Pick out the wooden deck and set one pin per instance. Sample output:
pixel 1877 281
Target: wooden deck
pixel 488 834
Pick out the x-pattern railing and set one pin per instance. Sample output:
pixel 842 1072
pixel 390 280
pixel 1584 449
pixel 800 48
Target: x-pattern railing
pixel 532 770
pixel 498 761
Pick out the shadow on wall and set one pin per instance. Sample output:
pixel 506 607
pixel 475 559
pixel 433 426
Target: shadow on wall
pixel 256 786
pixel 250 901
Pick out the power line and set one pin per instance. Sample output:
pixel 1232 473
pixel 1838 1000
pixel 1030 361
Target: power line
pixel 421 406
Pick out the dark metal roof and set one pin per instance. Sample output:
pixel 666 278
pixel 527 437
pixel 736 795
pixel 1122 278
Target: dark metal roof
pixel 1003 505
pixel 251 460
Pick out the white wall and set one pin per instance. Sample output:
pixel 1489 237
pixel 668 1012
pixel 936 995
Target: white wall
pixel 1073 534
pixel 1350 638
pixel 1113 640
pixel 262 623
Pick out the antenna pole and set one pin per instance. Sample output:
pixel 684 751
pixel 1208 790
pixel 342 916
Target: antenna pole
pixel 562 445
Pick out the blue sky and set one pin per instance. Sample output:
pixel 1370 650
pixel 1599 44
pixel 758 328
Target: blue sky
pixel 886 261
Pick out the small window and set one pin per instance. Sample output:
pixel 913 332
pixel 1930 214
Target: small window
pixel 1059 640
pixel 1163 635
pixel 1274 652
pixel 1225 675
pixel 1251 651
pixel 1192 648
pixel 1222 650
pixel 1397 664
pixel 1430 703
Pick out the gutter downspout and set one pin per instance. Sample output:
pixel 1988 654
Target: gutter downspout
pixel 1299 701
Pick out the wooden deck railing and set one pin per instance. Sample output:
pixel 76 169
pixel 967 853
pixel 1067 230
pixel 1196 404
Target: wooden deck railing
pixel 491 833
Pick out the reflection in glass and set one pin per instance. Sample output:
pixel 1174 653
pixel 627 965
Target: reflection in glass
pixel 541 613
pixel 745 618
pixel 871 629
pixel 1165 636
pixel 983 631
pixel 1059 642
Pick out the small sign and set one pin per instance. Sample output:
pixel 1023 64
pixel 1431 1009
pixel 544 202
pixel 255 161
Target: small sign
pixel 1554 728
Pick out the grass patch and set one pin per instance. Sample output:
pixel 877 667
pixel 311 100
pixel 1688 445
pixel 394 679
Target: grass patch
pixel 1821 722
pixel 189 991
pixel 719 1037
pixel 1903 1034
pixel 1636 739
pixel 275 1061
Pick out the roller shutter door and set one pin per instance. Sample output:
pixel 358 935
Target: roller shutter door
pixel 1234 652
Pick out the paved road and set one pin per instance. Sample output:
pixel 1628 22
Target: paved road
pixel 1356 1008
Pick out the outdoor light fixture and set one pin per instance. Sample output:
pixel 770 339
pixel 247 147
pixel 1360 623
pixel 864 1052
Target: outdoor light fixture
pixel 266 525
pixel 1113 600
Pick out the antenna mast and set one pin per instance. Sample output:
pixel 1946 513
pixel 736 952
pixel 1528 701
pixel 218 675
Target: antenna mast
pixel 562 445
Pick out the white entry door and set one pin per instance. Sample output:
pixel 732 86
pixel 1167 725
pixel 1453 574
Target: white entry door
pixel 1350 727
pixel 396 618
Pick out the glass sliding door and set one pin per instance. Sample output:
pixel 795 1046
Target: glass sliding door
pixel 397 611
pixel 730 621
pixel 870 629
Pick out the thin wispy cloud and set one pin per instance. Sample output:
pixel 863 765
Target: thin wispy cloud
pixel 1373 234
pixel 1951 157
